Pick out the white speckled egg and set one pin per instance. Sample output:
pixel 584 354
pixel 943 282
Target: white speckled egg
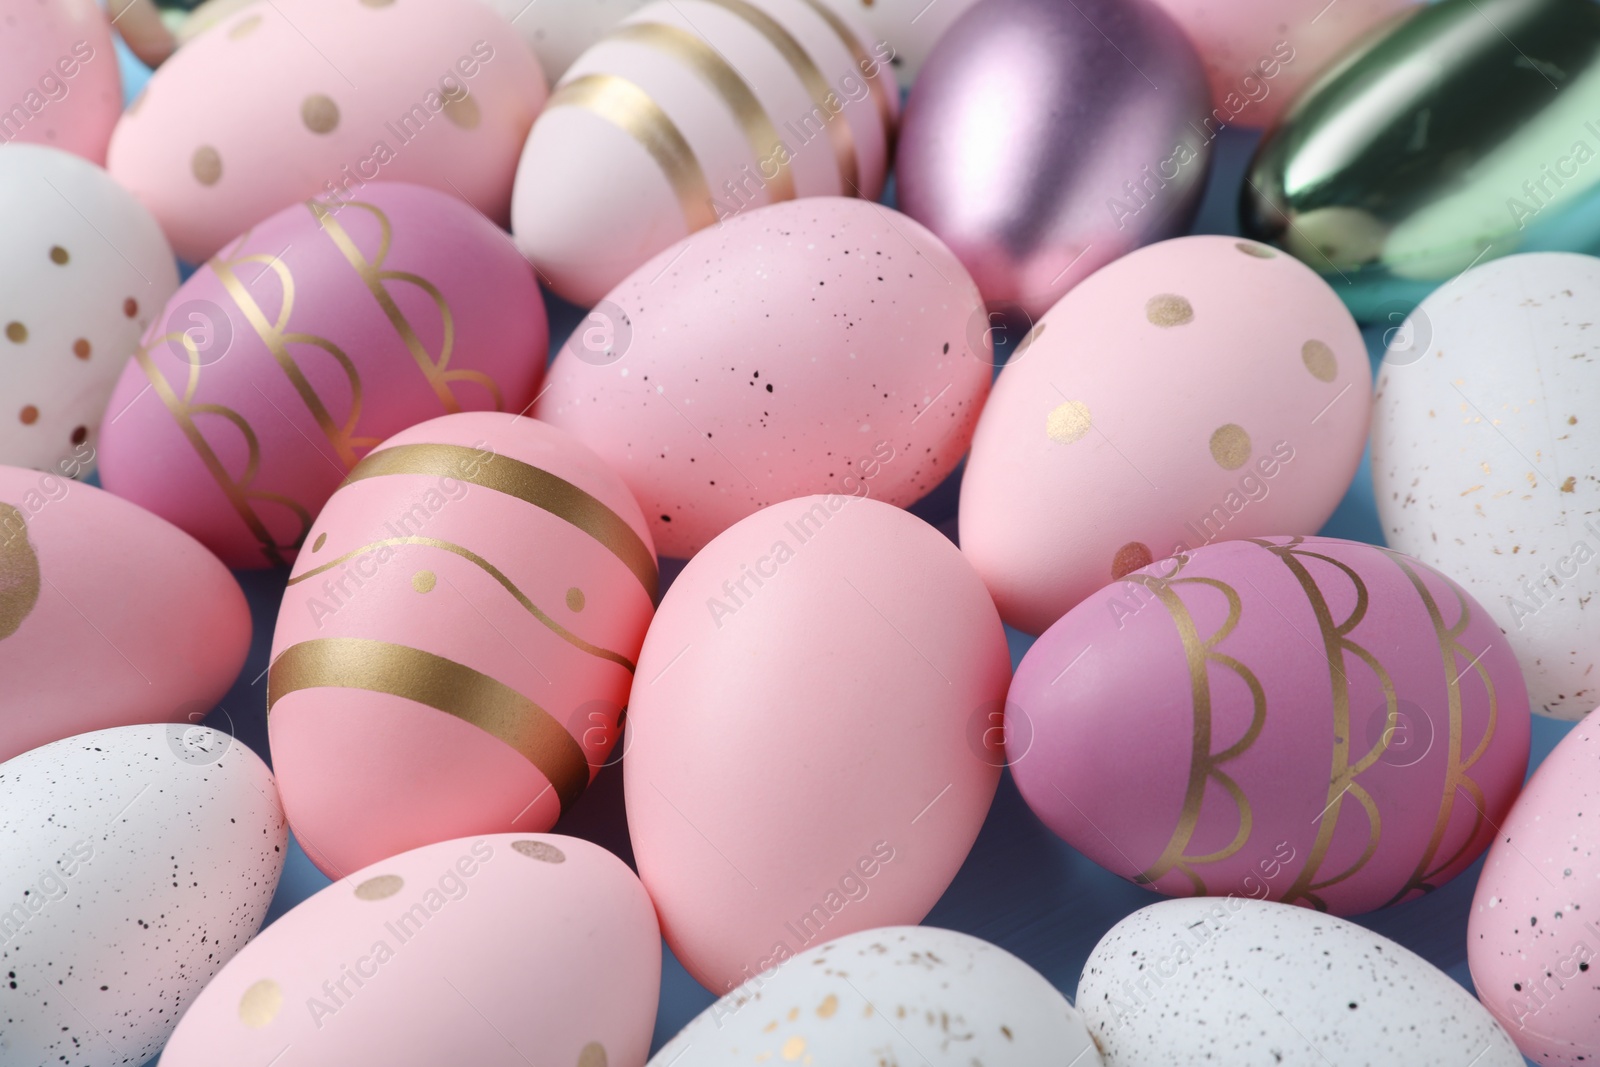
pixel 904 994
pixel 910 28
pixel 559 30
pixel 138 860
pixel 1486 457
pixel 1244 982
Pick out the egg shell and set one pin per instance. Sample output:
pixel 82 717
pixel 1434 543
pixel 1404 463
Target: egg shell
pixel 1229 398
pixel 909 27
pixel 910 994
pixel 559 30
pixel 801 724
pixel 454 650
pixel 1250 982
pixel 793 350
pixel 1486 460
pixel 497 951
pixel 108 615
pixel 138 861
pixel 83 271
pixel 691 113
pixel 59 83
pixel 300 98
pixel 1310 720
pixel 311 339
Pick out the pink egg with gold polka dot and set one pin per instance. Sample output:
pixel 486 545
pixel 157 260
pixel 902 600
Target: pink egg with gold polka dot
pixel 59 81
pixel 1198 390
pixel 299 98
pixel 456 645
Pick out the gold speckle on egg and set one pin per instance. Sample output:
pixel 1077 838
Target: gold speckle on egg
pixel 423 581
pixel 1250 248
pixel 206 165
pixel 16 333
pixel 260 1004
pixel 794 1048
pixel 539 850
pixel 1130 557
pixel 80 434
pixel 1168 309
pixel 829 1005
pixel 244 27
pixel 80 348
pixel 575 599
pixel 29 415
pixel 130 307
pixel 380 887
pixel 322 539
pixel 463 111
pixel 1319 360
pixel 319 113
pixel 592 1055
pixel 19 571
pixel 1230 447
pixel 1068 422
pixel 59 256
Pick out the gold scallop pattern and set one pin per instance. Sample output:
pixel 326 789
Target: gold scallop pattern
pixel 575 599
pixel 1068 422
pixel 463 111
pixel 245 27
pixel 380 887
pixel 1319 360
pixel 206 165
pixel 423 581
pixel 59 256
pixel 593 1055
pixel 320 114
pixel 1131 557
pixel 1258 251
pixel 16 333
pixel 1168 310
pixel 322 539
pixel 29 415
pixel 81 349
pixel 539 850
pixel 19 571
pixel 260 1004
pixel 1230 446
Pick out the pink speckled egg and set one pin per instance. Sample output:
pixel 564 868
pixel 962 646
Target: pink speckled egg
pixel 300 98
pixel 498 951
pixel 59 83
pixel 1534 932
pixel 309 340
pixel 454 651
pixel 1307 720
pixel 108 615
pixel 1199 389
pixel 821 346
pixel 801 762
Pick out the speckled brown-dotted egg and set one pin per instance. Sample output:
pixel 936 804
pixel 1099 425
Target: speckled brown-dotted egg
pixel 826 345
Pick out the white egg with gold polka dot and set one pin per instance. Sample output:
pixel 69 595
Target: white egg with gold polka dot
pixel 1201 389
pixel 83 269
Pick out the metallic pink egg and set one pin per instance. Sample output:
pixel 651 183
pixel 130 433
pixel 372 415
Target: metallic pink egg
pixel 1044 139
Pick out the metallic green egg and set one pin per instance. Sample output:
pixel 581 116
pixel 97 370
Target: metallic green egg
pixel 1467 131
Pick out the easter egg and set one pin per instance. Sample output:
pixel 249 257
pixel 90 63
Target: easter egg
pixel 1533 933
pixel 307 341
pixel 1243 981
pixel 300 98
pixel 897 991
pixel 559 30
pixel 688 114
pixel 910 28
pixel 498 951
pixel 820 346
pixel 138 861
pixel 1485 459
pixel 801 762
pixel 83 271
pixel 1232 402
pixel 59 83
pixel 1309 720
pixel 109 616
pixel 1044 140
pixel 454 650
pixel 1466 133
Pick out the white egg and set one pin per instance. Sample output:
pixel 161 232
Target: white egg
pixel 1486 457
pixel 83 270
pixel 909 27
pixel 894 995
pixel 1241 981
pixel 138 860
pixel 558 30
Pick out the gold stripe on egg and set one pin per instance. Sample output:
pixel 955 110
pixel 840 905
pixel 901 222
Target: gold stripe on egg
pixel 875 84
pixel 711 68
pixel 629 108
pixel 441 684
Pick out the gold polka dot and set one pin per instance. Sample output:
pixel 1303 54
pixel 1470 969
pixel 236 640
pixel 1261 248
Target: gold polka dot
pixel 575 600
pixel 381 887
pixel 207 165
pixel 1230 447
pixel 1068 422
pixel 794 1048
pixel 1167 310
pixel 16 333
pixel 130 307
pixel 593 1055
pixel 59 256
pixel 539 850
pixel 829 1005
pixel 322 539
pixel 423 581
pixel 320 113
pixel 29 415
pixel 463 111
pixel 1319 360
pixel 1258 251
pixel 260 1004
pixel 1129 558
pixel 80 348
pixel 244 27
pixel 80 434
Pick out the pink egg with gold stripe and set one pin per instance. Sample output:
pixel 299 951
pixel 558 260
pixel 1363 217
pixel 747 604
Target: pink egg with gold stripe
pixel 455 647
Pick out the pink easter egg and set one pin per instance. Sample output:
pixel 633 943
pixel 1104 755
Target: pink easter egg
pixel 801 759
pixel 299 98
pixel 59 82
pixel 826 345
pixel 1196 390
pixel 109 616
pixel 1307 720
pixel 497 951
pixel 454 651
pixel 309 340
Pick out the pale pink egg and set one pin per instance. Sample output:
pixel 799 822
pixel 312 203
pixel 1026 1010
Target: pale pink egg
pixel 309 340
pixel 826 345
pixel 806 752
pixel 496 951
pixel 454 651
pixel 1200 389
pixel 108 615
pixel 300 98
pixel 59 82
